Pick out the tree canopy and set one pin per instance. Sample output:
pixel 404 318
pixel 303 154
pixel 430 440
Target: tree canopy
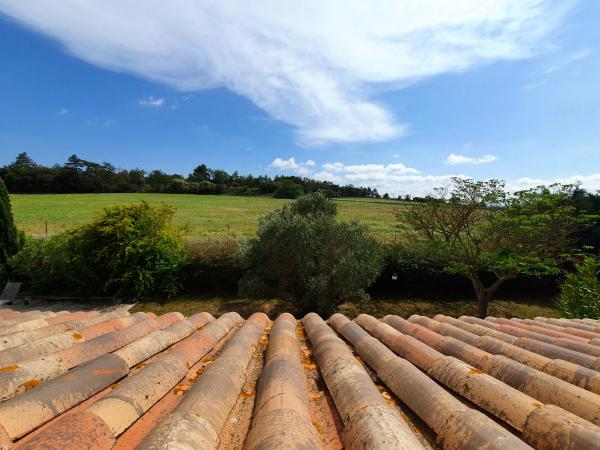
pixel 77 175
pixel 475 228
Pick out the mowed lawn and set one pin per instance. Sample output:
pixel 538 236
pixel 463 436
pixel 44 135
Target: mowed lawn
pixel 206 215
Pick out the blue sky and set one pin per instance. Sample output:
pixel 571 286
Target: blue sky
pixel 392 96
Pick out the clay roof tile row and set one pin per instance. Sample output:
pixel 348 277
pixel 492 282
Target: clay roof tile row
pixel 109 379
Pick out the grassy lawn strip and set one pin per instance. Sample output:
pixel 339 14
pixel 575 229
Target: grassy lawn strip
pixel 207 216
pixel 527 309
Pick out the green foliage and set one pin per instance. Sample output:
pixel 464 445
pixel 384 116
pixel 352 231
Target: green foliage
pixel 129 251
pixel 3 275
pixel 478 227
pixel 48 266
pixel 580 291
pixel 303 255
pixel 9 238
pixel 314 205
pixel 132 250
pixel 288 189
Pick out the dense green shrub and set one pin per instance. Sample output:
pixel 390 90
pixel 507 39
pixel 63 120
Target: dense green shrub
pixel 288 189
pixel 129 251
pixel 580 291
pixel 48 267
pixel 304 255
pixel 9 238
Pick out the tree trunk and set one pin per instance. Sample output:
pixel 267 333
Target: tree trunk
pixel 483 297
pixel 485 294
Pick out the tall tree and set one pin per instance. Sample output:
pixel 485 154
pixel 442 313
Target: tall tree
pixel 201 173
pixel 23 161
pixel 9 238
pixel 476 227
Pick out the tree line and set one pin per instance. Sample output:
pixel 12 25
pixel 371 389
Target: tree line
pixel 76 175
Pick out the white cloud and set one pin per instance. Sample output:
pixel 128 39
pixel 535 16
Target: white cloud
pixel 393 183
pixel 454 159
pixel 312 64
pixel 284 164
pixel 328 176
pixel 398 179
pixel 333 167
pixel 395 179
pixel 590 182
pixel 151 101
pixel 290 165
pixel 63 111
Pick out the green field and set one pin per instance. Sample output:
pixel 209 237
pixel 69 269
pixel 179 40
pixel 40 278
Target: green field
pixel 206 215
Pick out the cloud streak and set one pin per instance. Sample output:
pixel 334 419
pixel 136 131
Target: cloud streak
pixel 455 160
pixel 151 101
pixel 314 65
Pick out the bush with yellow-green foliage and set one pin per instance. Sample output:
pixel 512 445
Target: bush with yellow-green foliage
pixel 129 251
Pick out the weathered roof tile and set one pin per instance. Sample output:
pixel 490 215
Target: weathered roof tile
pixel 74 380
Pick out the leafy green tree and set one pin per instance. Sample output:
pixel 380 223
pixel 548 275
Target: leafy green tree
pixel 478 228
pixel 9 238
pixel 137 177
pixel 580 291
pixel 304 255
pixel 201 173
pixel 288 189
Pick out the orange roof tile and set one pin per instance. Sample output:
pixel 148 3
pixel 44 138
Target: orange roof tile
pixel 109 379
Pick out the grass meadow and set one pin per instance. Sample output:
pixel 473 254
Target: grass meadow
pixel 206 215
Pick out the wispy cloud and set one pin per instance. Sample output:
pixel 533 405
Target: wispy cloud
pixel 151 101
pixel 99 122
pixel 181 100
pixel 566 60
pixel 455 160
pixel 314 65
pixel 63 111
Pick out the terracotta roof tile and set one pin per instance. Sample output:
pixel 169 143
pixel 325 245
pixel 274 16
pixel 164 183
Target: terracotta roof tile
pixel 110 379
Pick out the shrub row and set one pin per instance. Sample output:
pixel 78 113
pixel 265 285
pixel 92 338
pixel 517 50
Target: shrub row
pixel 301 254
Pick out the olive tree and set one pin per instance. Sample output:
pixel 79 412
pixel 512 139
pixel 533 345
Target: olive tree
pixel 477 227
pixel 302 254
